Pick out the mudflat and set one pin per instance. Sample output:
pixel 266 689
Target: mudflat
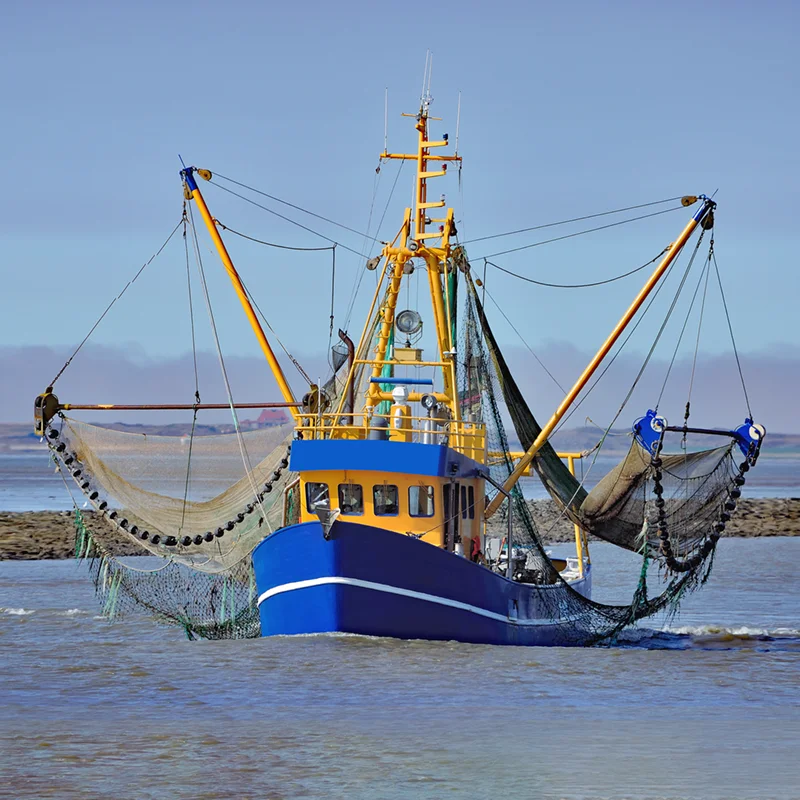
pixel 51 534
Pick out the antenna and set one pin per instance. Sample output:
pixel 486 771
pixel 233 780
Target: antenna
pixel 386 120
pixel 425 99
pixel 458 120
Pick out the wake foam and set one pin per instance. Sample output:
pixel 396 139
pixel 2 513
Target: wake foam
pixel 707 637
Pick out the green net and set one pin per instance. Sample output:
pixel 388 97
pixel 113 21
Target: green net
pixel 671 510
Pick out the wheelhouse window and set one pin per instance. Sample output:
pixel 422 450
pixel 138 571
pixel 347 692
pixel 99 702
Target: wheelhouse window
pixel 317 496
pixel 420 501
pixel 471 502
pixel 351 498
pixel 385 500
pixel 463 502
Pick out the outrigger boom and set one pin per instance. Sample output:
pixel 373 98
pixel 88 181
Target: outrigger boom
pixel 193 193
pixel 676 247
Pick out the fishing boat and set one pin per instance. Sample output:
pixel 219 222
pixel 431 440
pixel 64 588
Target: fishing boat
pixel 391 504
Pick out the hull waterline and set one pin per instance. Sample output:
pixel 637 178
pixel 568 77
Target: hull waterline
pixel 369 581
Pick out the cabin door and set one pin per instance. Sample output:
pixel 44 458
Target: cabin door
pixel 452 513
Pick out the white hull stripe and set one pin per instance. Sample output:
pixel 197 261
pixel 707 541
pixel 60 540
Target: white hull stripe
pixel 430 598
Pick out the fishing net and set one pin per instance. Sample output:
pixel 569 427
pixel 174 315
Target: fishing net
pixel 671 509
pixel 196 506
pixel 694 488
pixel 219 489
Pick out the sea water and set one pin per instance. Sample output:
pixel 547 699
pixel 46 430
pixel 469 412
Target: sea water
pixel 29 481
pixel 703 706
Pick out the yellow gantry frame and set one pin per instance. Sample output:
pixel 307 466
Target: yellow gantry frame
pixel 414 234
pixel 194 194
pixel 540 440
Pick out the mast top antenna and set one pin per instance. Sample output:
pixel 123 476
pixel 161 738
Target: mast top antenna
pixel 425 99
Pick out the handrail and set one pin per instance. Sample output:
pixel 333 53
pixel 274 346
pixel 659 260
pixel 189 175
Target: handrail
pixel 467 438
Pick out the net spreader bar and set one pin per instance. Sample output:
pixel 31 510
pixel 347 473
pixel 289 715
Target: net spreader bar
pixel 650 429
pixel 169 406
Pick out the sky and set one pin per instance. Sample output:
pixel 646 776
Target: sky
pixel 567 109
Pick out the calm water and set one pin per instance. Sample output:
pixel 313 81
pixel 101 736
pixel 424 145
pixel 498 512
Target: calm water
pixel 29 482
pixel 708 709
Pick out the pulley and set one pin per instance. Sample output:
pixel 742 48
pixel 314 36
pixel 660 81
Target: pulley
pixel 45 407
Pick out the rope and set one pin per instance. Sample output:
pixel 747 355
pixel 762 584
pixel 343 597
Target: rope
pixel 568 221
pixel 596 449
pixel 292 205
pixel 707 271
pixel 196 377
pixel 333 296
pixel 108 308
pixel 577 285
pixel 357 285
pixel 733 340
pixel 580 233
pixel 530 350
pixel 625 342
pixel 663 324
pixel 287 219
pixel 333 289
pixel 242 448
pixel 291 358
pixel 270 244
pixel 683 330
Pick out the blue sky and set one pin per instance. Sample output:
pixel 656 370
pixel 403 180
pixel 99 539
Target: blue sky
pixel 567 109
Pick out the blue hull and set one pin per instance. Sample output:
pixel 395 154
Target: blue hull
pixel 369 581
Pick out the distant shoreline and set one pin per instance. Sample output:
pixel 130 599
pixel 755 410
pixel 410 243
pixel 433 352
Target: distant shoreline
pixel 18 438
pixel 40 535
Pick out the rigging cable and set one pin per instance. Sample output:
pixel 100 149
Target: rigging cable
pixel 108 308
pixel 577 285
pixel 240 440
pixel 271 244
pixel 628 338
pixel 699 327
pixel 292 205
pixel 733 340
pixel 263 316
pixel 703 274
pixel 581 233
pixel 253 301
pixel 287 219
pixel 333 295
pixel 597 448
pixel 357 285
pixel 540 362
pixel 332 248
pixel 568 221
pixel 196 378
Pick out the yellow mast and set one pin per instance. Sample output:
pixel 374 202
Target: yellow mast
pixel 194 193
pixel 600 355
pixel 413 243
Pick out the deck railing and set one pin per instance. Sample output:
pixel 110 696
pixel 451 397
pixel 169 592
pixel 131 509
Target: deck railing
pixel 467 438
